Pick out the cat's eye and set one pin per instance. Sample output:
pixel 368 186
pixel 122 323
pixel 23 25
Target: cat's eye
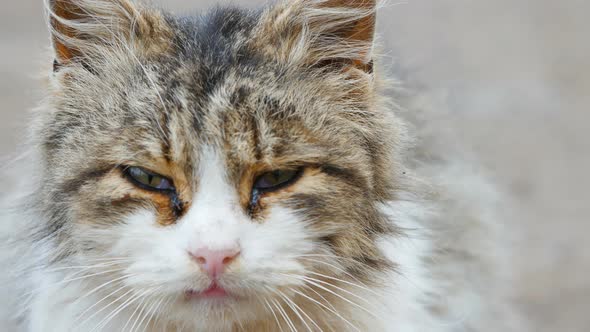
pixel 275 180
pixel 148 180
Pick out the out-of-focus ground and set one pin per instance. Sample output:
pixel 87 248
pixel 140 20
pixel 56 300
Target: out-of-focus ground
pixel 515 75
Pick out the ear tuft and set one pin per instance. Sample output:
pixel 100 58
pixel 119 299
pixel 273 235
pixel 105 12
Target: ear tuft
pixel 357 24
pixel 81 29
pixel 322 32
pixel 62 12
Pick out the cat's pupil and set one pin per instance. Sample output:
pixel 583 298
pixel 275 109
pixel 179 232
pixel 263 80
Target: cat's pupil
pixel 275 176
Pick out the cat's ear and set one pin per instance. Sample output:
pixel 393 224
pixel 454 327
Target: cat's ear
pixel 82 29
pixel 355 26
pixel 323 32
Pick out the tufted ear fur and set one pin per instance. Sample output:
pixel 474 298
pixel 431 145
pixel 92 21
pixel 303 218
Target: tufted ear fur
pixel 82 29
pixel 322 32
pixel 359 29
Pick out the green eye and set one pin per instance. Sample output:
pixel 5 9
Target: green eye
pixel 148 180
pixel 276 179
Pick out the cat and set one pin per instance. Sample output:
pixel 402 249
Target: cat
pixel 239 170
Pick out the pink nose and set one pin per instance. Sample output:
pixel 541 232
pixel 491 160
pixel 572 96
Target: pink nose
pixel 213 262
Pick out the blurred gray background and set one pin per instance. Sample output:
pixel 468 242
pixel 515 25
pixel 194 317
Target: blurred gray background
pixel 514 79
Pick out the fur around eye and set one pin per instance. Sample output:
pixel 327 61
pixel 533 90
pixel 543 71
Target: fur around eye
pixel 148 180
pixel 275 180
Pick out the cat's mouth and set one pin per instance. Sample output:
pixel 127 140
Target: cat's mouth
pixel 214 291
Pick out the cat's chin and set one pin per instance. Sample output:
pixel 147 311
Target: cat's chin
pixel 222 306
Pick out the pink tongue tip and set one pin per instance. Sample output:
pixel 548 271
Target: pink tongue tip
pixel 214 291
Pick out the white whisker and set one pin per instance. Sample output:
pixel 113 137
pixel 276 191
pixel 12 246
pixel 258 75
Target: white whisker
pixel 106 306
pixel 316 283
pixel 346 282
pixel 340 289
pixel 330 310
pixel 142 306
pixel 340 270
pixel 285 316
pixel 298 309
pixel 279 325
pixel 62 282
pixel 96 289
pixel 120 308
pixel 101 300
pixel 147 314
pixel 155 311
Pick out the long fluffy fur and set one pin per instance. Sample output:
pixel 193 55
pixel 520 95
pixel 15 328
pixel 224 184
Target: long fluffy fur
pixel 389 233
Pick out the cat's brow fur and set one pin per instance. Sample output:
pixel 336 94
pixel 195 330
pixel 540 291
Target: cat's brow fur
pixel 296 84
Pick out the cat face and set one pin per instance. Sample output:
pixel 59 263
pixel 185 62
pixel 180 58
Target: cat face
pixel 217 165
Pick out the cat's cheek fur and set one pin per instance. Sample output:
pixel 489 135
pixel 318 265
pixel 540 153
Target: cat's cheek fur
pixel 157 256
pixel 58 308
pixel 160 254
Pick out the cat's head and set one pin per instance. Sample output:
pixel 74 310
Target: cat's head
pixel 221 164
